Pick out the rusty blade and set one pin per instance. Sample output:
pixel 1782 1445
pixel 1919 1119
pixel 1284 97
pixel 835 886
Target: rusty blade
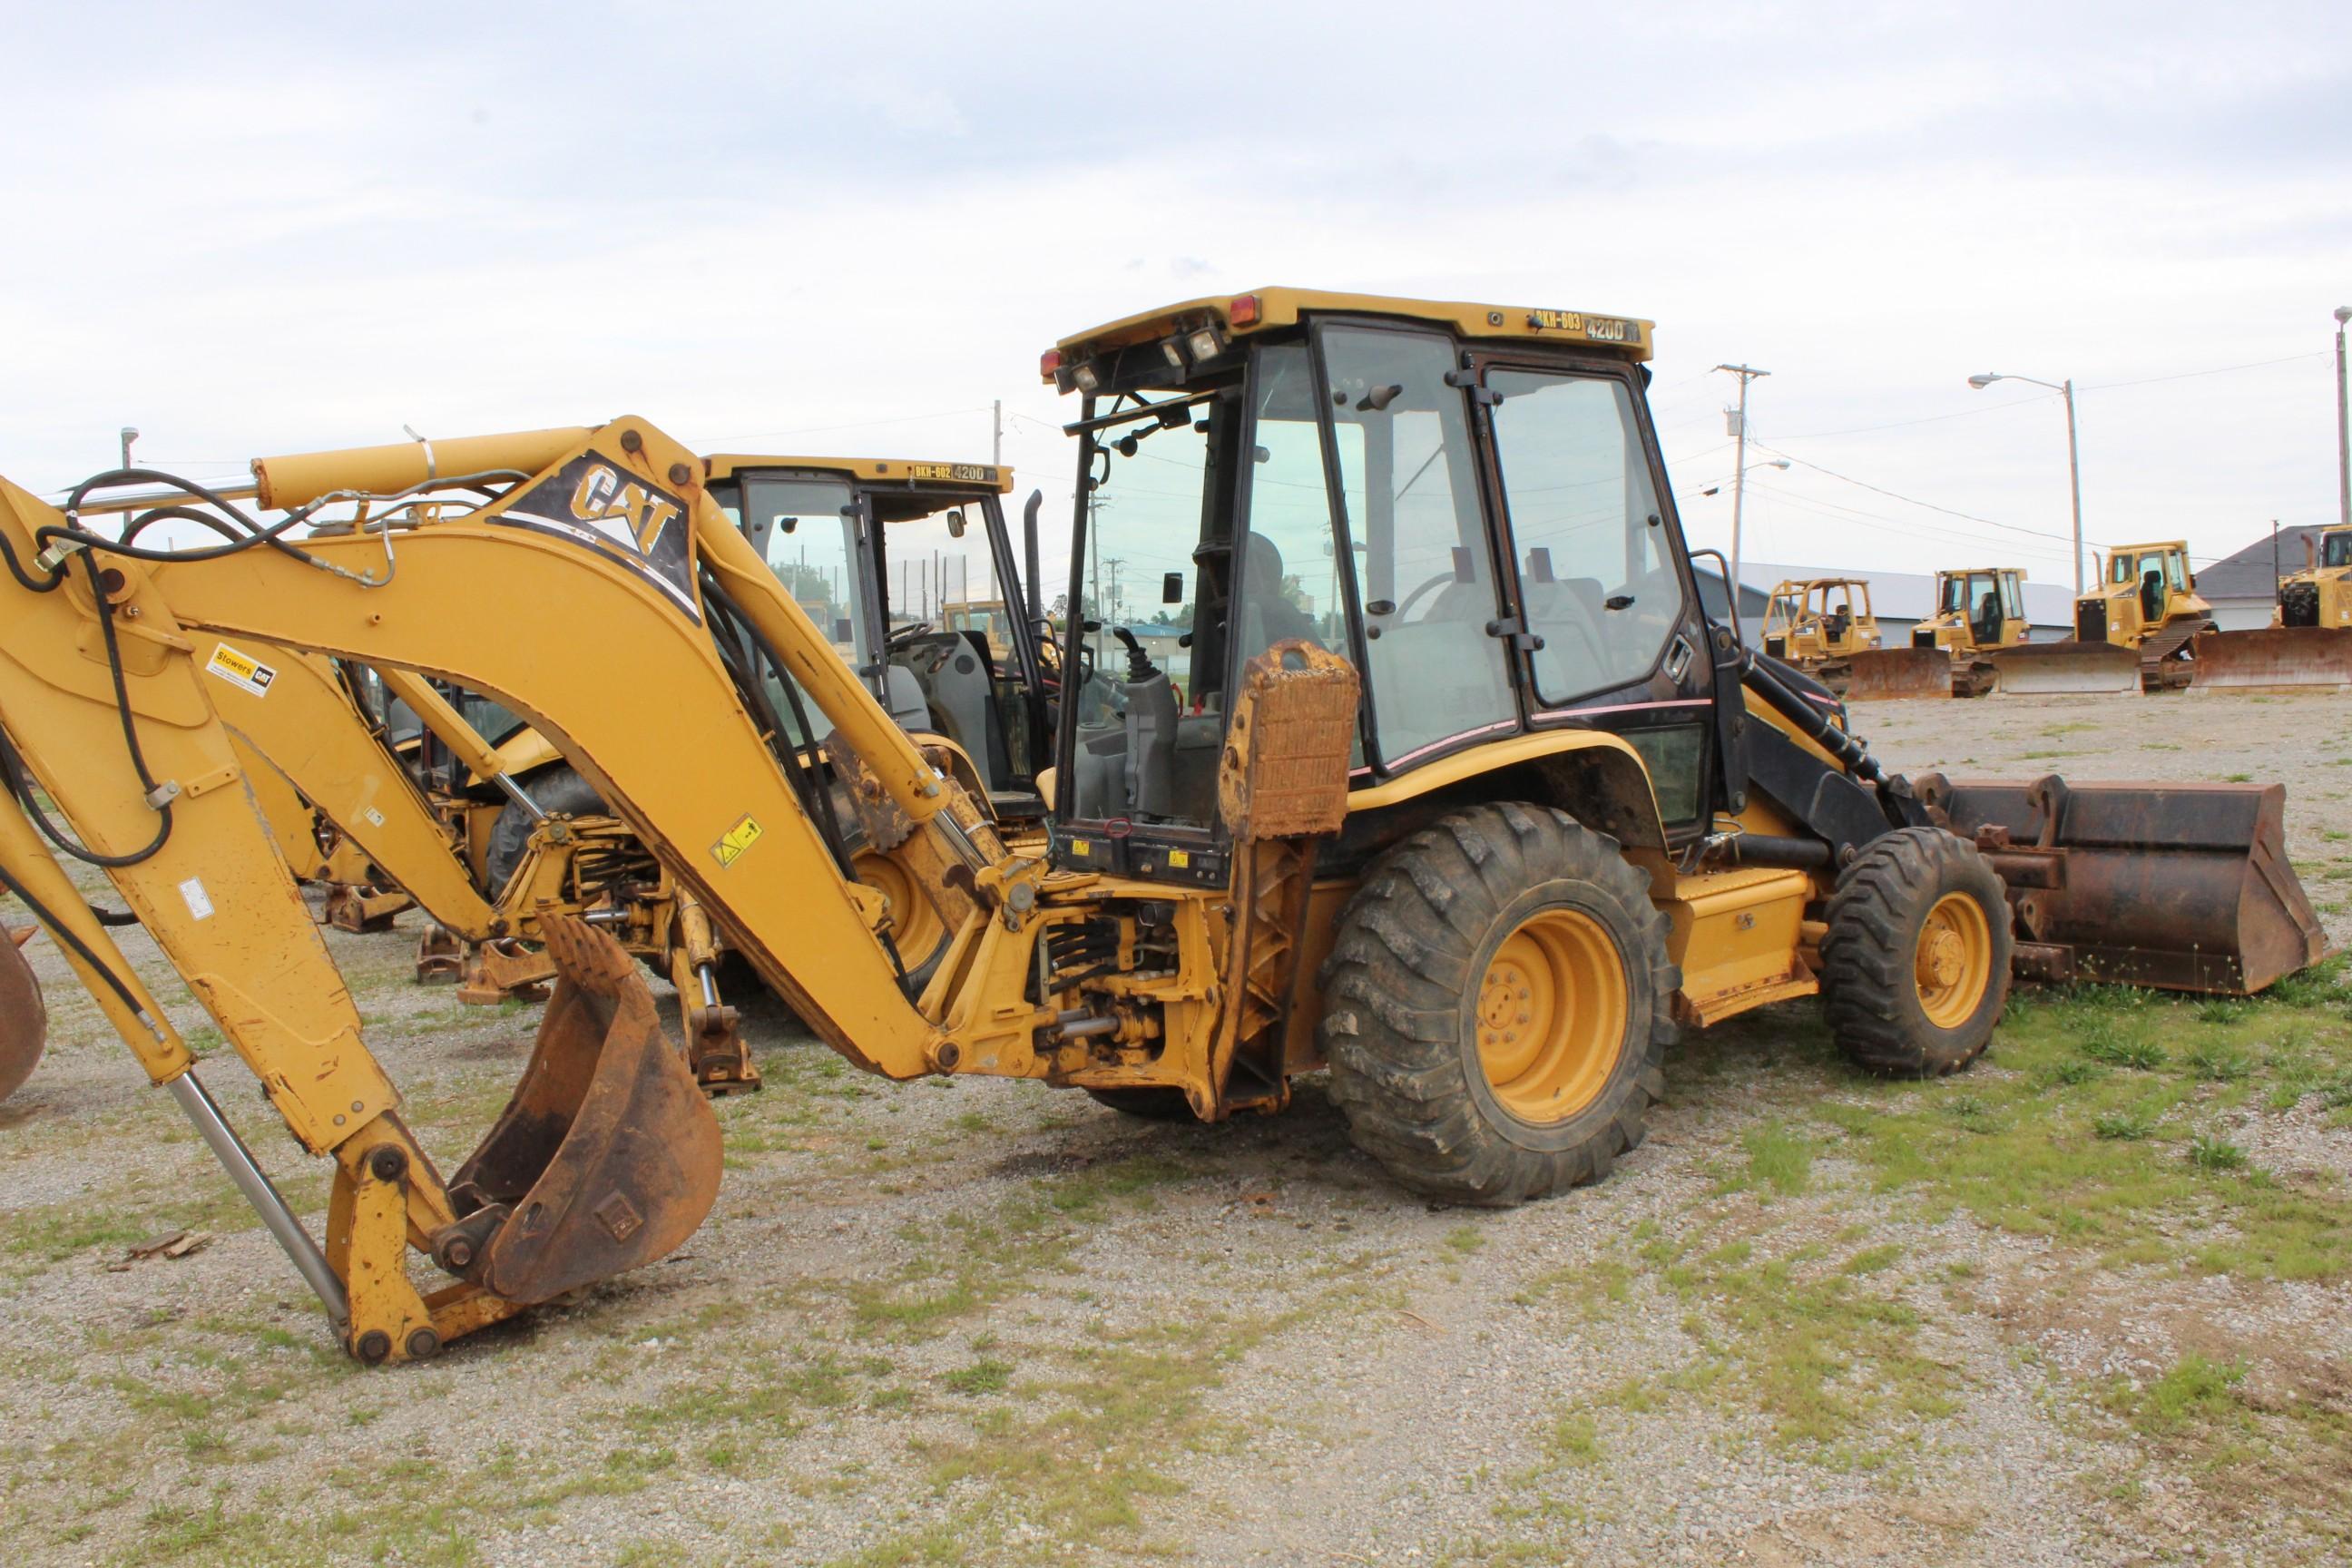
pixel 24 1022
pixel 2272 659
pixel 1898 674
pixel 2181 887
pixel 2092 667
pixel 607 1156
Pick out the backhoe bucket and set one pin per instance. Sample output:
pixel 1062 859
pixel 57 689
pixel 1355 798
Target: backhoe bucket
pixel 607 1156
pixel 2180 886
pixel 2096 668
pixel 2272 659
pixel 24 1023
pixel 1896 674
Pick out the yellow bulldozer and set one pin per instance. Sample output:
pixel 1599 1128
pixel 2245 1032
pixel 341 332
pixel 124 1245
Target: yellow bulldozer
pixel 1812 625
pixel 2308 644
pixel 2135 632
pixel 1471 806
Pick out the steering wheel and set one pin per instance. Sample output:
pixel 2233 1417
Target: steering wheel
pixel 905 635
pixel 1414 597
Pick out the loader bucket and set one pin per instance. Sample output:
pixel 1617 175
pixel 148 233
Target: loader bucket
pixel 1894 674
pixel 2094 668
pixel 24 1023
pixel 2180 886
pixel 605 1158
pixel 2273 658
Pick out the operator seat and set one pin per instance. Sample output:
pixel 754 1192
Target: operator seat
pixel 1267 617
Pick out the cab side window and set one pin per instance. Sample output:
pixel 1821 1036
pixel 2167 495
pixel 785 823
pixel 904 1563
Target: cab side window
pixel 1599 588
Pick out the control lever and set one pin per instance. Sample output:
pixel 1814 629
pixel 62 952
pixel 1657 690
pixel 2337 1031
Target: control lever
pixel 1140 667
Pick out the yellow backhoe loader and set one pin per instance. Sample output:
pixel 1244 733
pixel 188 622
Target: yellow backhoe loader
pixel 2132 632
pixel 2307 645
pixel 1978 612
pixel 1473 809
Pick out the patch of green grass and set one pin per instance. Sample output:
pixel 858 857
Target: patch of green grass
pixel 1822 1351
pixel 985 1375
pixel 1574 1440
pixel 1465 1239
pixel 1779 1157
pixel 2085 1136
pixel 2220 1064
pixel 2125 1126
pixel 2194 1390
pixel 2210 1154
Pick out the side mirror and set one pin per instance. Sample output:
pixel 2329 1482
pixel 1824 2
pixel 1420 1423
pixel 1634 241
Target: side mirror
pixel 955 523
pixel 1171 589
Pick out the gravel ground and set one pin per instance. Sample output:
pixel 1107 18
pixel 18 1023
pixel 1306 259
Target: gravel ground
pixel 982 1322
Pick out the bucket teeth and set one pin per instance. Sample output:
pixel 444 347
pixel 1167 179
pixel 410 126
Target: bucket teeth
pixel 607 1156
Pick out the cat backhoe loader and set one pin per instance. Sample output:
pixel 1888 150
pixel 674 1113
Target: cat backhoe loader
pixel 2132 632
pixel 2307 645
pixel 1473 809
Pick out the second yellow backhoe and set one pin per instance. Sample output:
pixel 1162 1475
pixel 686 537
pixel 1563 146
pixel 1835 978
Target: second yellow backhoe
pixel 1473 809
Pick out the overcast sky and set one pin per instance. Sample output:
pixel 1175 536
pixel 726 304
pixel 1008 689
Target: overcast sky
pixel 250 229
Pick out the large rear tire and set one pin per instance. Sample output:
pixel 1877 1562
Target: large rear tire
pixel 1914 968
pixel 1497 1007
pixel 552 789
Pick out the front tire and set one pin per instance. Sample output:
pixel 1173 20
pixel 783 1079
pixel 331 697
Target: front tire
pixel 1914 968
pixel 1497 1007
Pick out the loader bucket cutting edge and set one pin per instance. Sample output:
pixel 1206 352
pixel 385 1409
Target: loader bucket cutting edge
pixel 2178 887
pixel 2272 659
pixel 24 1022
pixel 1898 674
pixel 606 1156
pixel 2096 668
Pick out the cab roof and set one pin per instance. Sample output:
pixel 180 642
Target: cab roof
pixel 891 470
pixel 1261 310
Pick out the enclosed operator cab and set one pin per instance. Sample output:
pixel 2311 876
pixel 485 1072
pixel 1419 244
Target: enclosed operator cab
pixel 1470 510
pixel 1976 610
pixel 886 555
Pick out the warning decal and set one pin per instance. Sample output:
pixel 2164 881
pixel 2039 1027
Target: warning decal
pixel 240 671
pixel 739 838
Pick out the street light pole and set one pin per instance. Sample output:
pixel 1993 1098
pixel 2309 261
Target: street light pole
pixel 130 434
pixel 2074 452
pixel 2343 424
pixel 1739 479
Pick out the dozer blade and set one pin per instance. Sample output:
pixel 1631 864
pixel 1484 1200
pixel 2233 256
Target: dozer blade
pixel 1898 674
pixel 2273 658
pixel 2180 886
pixel 24 1023
pixel 2094 668
pixel 607 1156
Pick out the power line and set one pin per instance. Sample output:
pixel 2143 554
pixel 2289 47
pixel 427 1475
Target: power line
pixel 2218 370
pixel 1930 419
pixel 1914 500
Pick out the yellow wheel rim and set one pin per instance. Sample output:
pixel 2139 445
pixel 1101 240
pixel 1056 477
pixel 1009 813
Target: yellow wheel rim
pixel 1551 1016
pixel 915 923
pixel 1953 965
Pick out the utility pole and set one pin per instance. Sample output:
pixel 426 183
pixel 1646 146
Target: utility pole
pixel 997 455
pixel 1740 480
pixel 1111 611
pixel 2343 424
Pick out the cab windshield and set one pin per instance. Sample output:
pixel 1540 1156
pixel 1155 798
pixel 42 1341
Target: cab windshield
pixel 2338 551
